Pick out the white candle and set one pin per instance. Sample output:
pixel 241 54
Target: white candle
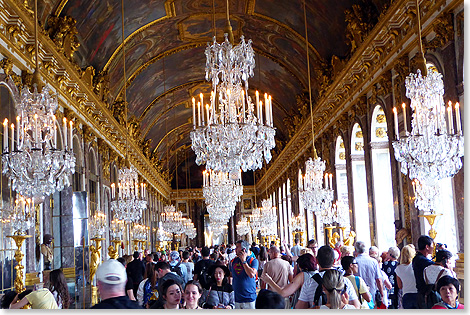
pixel 457 118
pixel 404 118
pixel 71 136
pixel 260 112
pixel 450 118
pixel 12 137
pixel 207 114
pixel 194 113
pixel 199 114
pixel 331 181
pixel 326 181
pixel 201 96
pixel 5 135
pixel 64 136
pixel 18 132
pixel 300 181
pixel 54 143
pixel 36 129
pixel 113 187
pixel 396 122
pixel 266 106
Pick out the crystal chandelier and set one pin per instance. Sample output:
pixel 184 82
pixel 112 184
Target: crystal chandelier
pixel 264 218
pixel 298 222
pixel 33 161
pixel 221 193
pixel 231 133
pixel 340 212
pixel 162 235
pixel 20 215
pixel 171 220
pixel 243 226
pixel 117 228
pixel 328 216
pixel 315 197
pixel 433 149
pixel 130 200
pixel 139 231
pixel 98 224
pixel 315 194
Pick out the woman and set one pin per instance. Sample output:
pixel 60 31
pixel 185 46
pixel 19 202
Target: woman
pixel 335 290
pixel 220 294
pixel 263 258
pixel 350 267
pixel 406 278
pixel 442 267
pixel 171 292
pixel 389 266
pixel 150 287
pixel 39 299
pixel 307 265
pixel 140 291
pixel 192 294
pixel 448 288
pixel 59 289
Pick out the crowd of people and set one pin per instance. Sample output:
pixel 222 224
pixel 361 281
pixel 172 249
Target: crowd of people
pixel 244 276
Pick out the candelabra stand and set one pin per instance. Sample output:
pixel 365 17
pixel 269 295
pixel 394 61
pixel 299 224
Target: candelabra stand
pixel 329 230
pixel 431 220
pixel 95 259
pixel 19 282
pixel 136 244
pixel 113 251
pixel 343 232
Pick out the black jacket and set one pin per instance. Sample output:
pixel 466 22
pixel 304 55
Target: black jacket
pixel 117 302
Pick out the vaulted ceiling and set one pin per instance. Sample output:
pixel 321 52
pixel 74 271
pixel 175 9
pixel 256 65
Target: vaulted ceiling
pixel 165 61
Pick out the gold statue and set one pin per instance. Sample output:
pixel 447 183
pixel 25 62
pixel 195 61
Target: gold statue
pixel 333 240
pixel 95 253
pixel 349 241
pixel 112 252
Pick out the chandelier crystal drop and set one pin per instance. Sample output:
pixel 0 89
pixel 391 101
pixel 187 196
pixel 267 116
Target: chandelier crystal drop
pixel 233 132
pixel 19 216
pixel 433 149
pixel 32 157
pixel 221 194
pixel 316 195
pixel 117 228
pixel 130 201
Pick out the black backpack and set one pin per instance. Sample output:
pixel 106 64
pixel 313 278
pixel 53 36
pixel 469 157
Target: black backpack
pixel 177 269
pixel 204 277
pixel 431 295
pixel 320 296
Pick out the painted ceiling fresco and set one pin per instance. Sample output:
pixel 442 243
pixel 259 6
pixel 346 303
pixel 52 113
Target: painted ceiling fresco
pixel 165 62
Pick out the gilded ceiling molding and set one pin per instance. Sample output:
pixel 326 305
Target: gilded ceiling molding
pixel 66 78
pixel 398 16
pixel 128 38
pixel 168 133
pixel 443 26
pixel 60 7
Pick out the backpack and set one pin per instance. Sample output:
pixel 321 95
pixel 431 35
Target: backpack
pixel 204 277
pixel 431 295
pixel 319 294
pixel 177 269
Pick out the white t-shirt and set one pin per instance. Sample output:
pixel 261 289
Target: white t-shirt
pixel 307 293
pixel 431 272
pixel 407 277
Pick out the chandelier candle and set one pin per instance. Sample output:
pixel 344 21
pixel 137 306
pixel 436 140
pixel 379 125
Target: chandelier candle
pixel 5 135
pixel 457 118
pixel 404 118
pixel 395 116
pixel 450 118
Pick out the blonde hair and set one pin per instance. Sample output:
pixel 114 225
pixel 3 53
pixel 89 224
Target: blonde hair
pixel 333 282
pixel 407 254
pixel 347 250
pixel 306 251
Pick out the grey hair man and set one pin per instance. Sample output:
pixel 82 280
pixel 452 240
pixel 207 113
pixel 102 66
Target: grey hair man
pixel 111 280
pixel 368 269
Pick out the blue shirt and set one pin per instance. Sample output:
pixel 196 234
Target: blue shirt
pixel 244 287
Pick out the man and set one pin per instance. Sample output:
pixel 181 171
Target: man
pixel 279 270
pixel 46 251
pixel 295 250
pixel 164 273
pixel 309 293
pixel 201 268
pixel 135 271
pixel 111 280
pixel 369 271
pixel 189 266
pixel 374 252
pixel 419 263
pixel 178 267
pixel 312 244
pixel 244 270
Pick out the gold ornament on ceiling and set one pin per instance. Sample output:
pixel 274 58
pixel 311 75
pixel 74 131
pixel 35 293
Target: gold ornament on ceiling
pixel 380 132
pixel 359 134
pixel 380 118
pixel 359 146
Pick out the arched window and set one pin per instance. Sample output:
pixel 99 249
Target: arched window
pixel 340 168
pixel 361 206
pixel 382 180
pixel 92 182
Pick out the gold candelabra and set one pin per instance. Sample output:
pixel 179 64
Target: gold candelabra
pixel 136 244
pixel 113 251
pixel 19 282
pixel 431 220
pixel 329 230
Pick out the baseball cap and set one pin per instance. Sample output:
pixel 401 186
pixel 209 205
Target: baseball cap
pixel 174 255
pixel 111 272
